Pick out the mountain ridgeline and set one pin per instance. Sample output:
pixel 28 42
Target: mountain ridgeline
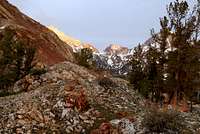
pixel 50 49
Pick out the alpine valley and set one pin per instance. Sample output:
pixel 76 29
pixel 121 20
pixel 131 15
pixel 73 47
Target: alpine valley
pixel 46 86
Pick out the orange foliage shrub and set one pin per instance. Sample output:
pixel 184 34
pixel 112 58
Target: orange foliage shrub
pixel 78 100
pixel 81 102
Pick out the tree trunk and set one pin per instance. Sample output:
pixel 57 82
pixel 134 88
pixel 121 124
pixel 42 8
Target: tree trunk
pixel 191 108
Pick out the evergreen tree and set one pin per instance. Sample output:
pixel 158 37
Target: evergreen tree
pixel 179 66
pixel 172 62
pixel 16 59
pixel 137 76
pixel 85 57
pixel 183 62
pixel 152 73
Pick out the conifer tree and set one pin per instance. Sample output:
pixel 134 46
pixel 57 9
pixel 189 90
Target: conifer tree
pixel 180 64
pixel 152 73
pixel 172 62
pixel 137 75
pixel 16 59
pixel 183 62
pixel 85 57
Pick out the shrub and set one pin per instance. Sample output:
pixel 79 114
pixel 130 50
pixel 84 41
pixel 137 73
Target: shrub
pixel 107 83
pixel 85 57
pixel 163 121
pixel 38 72
pixel 78 100
pixel 81 101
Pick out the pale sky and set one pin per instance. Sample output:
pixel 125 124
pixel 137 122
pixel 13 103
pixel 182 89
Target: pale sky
pixel 100 22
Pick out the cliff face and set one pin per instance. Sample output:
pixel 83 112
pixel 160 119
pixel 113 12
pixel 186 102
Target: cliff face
pixel 50 49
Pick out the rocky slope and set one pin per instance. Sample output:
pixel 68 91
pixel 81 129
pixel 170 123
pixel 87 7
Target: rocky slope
pixel 72 99
pixel 69 40
pixel 50 48
pixel 69 99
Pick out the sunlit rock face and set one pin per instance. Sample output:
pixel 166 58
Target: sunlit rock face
pixel 50 49
pixel 74 43
pixel 116 49
pixel 67 39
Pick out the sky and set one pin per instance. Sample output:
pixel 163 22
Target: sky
pixel 99 22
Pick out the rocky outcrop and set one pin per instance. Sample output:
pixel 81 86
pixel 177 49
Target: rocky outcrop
pixel 50 48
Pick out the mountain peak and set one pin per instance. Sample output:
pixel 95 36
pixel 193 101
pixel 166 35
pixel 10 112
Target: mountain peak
pixel 115 46
pixel 116 49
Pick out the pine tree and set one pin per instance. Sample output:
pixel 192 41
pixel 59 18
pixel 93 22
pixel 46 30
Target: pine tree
pixel 85 57
pixel 136 67
pixel 137 75
pixel 152 72
pixel 183 63
pixel 16 59
pixel 179 66
pixel 162 42
pixel 172 62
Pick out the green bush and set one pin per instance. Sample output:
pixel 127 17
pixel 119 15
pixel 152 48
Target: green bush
pixel 85 58
pixel 144 88
pixel 156 121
